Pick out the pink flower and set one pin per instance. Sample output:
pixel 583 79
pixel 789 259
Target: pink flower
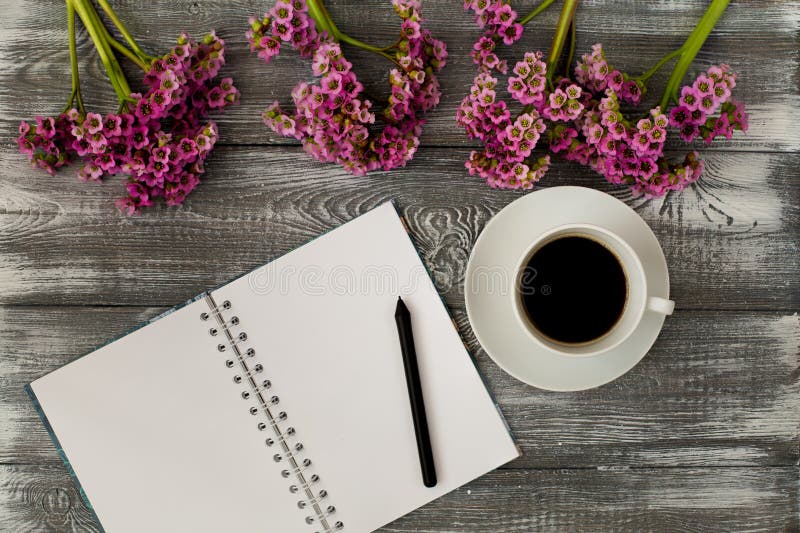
pixel 282 11
pixel 585 124
pixel 631 91
pixel 722 92
pixel 106 161
pixel 112 126
pixel 657 135
pixel 689 98
pixel 90 172
pixel 98 142
pixel 512 33
pixel 410 29
pixel 689 131
pixel 144 110
pixel 331 84
pixel 93 123
pixel 722 127
pixel 703 85
pixel 557 99
pixel 139 138
pixel 707 104
pixel 161 154
pixel 679 115
pixel 160 100
pixel 740 116
pixel 644 125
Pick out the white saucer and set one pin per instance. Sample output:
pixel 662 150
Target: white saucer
pixel 502 242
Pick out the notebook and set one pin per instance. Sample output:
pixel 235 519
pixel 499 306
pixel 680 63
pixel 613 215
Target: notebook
pixel 278 402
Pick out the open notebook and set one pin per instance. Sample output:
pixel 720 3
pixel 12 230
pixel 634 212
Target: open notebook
pixel 278 402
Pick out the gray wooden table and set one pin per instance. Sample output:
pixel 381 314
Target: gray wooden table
pixel 702 435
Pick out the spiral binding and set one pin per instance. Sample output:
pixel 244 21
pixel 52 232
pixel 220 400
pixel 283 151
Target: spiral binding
pixel 259 388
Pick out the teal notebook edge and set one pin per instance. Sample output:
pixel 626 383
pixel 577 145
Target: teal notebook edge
pixel 62 454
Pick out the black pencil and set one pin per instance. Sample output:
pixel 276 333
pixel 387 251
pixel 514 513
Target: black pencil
pixel 403 319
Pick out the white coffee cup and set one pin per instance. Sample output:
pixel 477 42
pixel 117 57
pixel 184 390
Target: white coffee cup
pixel 638 302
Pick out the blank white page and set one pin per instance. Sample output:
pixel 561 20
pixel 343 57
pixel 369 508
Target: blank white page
pixel 321 320
pixel 158 436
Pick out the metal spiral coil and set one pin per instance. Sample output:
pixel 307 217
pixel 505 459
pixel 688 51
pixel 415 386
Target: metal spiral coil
pixel 288 450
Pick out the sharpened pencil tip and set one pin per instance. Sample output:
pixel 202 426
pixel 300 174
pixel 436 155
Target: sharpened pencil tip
pixel 401 308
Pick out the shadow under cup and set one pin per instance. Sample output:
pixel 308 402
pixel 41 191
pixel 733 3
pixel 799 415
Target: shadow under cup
pixel 632 310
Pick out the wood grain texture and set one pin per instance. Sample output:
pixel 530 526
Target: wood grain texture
pixel 43 499
pixel 730 240
pixel 715 389
pixel 758 38
pixel 704 434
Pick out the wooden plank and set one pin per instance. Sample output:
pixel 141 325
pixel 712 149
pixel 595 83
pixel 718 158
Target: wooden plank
pixel 731 240
pixel 718 388
pixel 729 499
pixel 759 40
pixel 42 498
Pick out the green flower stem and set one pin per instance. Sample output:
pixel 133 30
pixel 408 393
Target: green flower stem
pixel 390 47
pixel 124 31
pixel 141 59
pixel 88 15
pixel 355 42
pixel 691 47
pixel 127 52
pixel 562 29
pixel 321 17
pixel 536 10
pixel 75 95
pixel 571 52
pixel 661 62
pixel 121 79
pixel 339 36
pixel 324 22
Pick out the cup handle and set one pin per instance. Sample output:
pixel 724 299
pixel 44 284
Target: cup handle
pixel 660 305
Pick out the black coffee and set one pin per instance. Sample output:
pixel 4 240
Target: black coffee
pixel 573 289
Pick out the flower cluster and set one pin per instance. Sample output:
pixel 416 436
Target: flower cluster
pixel 499 21
pixel 162 143
pixel 564 103
pixel 582 121
pixel 595 74
pixel 507 143
pixel 623 152
pixel 632 153
pixel 287 22
pixel 333 119
pixel 710 92
pixel 528 86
